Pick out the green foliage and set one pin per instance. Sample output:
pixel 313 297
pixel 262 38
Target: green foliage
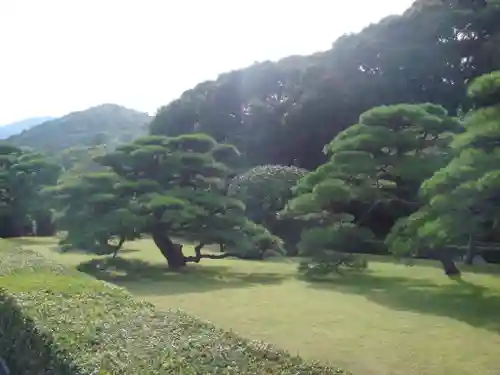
pixel 282 112
pixel 265 189
pixel 166 187
pixel 333 263
pixel 462 199
pixel 378 162
pixel 93 215
pixel 55 320
pixel 22 176
pixel 108 124
pixel 394 146
pixel 485 90
pixel 371 178
pixel 331 249
pixel 345 236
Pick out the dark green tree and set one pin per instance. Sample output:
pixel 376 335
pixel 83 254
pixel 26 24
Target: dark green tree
pixel 372 177
pixel 244 108
pixel 336 236
pixel 282 113
pixel 93 213
pixel 171 188
pixel 265 190
pixel 462 199
pixel 23 174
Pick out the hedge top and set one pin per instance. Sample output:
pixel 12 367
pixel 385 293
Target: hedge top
pixel 93 327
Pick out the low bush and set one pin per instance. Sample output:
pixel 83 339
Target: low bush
pixel 333 263
pixel 57 321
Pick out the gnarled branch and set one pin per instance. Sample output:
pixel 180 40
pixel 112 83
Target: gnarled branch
pixel 199 256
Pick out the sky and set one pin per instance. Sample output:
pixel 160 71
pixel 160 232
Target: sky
pixel 59 56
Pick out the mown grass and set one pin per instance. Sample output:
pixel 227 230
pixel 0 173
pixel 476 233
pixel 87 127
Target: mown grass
pixel 392 320
pixel 54 320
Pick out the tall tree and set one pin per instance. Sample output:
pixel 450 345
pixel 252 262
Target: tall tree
pixel 281 113
pixel 23 174
pixel 372 176
pixel 463 199
pixel 265 190
pixel 244 108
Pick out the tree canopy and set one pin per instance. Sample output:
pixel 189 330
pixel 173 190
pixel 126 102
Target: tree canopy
pixel 23 175
pixel 282 113
pixel 265 189
pixel 372 177
pixel 166 187
pixel 462 199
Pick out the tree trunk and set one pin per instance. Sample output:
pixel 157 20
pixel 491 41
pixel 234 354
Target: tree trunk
pixel 44 224
pixel 367 213
pixel 471 251
pixel 18 228
pixel 118 246
pixel 171 251
pixel 449 267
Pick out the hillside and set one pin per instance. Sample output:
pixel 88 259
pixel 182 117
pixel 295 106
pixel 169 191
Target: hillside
pixel 106 123
pixel 17 127
pixel 284 112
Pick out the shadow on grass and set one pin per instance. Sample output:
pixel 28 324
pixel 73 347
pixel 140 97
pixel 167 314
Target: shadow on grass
pixel 488 268
pixel 143 278
pixel 32 241
pixel 476 305
pixel 81 251
pixel 51 244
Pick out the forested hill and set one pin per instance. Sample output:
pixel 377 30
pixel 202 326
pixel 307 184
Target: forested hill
pixel 107 123
pixel 18 126
pixel 285 112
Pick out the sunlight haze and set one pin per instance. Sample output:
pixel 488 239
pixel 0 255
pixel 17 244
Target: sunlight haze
pixel 60 56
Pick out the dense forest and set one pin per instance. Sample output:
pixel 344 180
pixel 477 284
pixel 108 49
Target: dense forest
pixel 386 143
pixel 285 112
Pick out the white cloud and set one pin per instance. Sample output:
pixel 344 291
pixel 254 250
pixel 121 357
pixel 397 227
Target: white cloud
pixel 63 55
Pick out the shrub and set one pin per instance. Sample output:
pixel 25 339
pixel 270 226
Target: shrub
pixel 333 263
pixel 265 189
pixel 58 321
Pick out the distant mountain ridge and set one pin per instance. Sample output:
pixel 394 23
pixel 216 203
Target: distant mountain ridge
pixel 108 124
pixel 18 126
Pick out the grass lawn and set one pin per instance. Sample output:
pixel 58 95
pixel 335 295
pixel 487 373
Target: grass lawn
pixel 392 320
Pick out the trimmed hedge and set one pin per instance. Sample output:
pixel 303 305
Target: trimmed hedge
pixel 57 321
